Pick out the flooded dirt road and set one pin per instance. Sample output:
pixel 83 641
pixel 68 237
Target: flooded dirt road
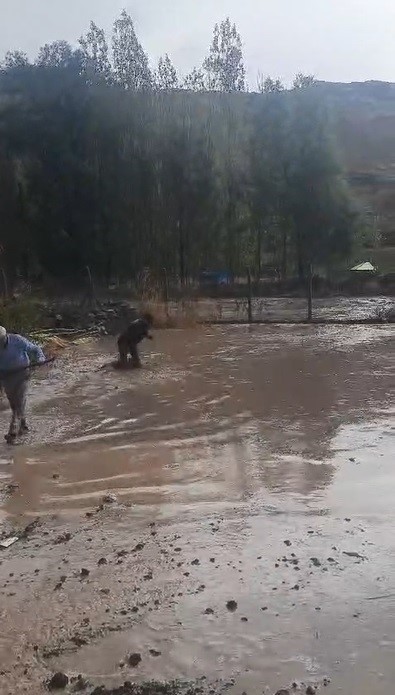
pixel 226 512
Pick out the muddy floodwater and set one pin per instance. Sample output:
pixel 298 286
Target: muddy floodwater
pixel 250 465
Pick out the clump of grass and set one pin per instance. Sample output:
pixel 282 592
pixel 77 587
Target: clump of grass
pixel 21 315
pixel 384 314
pixel 179 315
pixel 52 344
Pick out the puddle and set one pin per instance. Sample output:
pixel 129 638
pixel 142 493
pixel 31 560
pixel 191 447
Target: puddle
pixel 232 440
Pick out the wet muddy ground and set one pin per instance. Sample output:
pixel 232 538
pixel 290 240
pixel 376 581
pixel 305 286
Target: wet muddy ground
pixel 226 513
pixel 290 309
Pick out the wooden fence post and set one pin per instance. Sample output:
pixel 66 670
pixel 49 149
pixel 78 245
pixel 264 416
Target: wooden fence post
pixel 166 292
pixel 5 283
pixel 249 297
pixel 310 294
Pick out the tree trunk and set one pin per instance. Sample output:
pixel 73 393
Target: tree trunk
pixel 284 255
pixel 181 252
pixel 258 266
pixel 249 296
pixel 108 268
pixel 310 294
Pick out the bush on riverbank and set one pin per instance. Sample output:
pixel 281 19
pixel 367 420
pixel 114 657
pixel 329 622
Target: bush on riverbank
pixel 21 315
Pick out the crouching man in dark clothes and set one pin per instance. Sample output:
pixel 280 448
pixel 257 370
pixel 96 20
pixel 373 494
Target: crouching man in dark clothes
pixel 128 341
pixel 16 355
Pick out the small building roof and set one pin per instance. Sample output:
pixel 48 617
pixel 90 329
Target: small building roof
pixel 367 266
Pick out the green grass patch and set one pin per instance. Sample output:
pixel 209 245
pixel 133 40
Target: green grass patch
pixel 20 315
pixel 383 258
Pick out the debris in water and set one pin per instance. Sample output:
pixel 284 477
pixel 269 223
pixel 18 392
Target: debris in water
pixel 30 527
pixel 356 555
pixel 134 660
pixel 81 683
pixel 7 542
pixel 110 498
pixel 63 538
pixel 232 606
pixel 138 547
pixel 58 681
pixel 154 652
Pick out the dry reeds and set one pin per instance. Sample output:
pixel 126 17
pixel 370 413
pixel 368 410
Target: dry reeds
pixel 153 298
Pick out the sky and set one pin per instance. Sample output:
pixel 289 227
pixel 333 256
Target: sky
pixel 335 40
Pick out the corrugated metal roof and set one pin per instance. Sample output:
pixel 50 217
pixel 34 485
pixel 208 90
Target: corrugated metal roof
pixel 364 266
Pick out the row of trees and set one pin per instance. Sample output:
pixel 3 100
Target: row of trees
pixel 126 63
pixel 100 169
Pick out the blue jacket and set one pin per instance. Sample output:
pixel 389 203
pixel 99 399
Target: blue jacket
pixel 18 352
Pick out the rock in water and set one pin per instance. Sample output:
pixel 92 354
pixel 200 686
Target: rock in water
pixel 134 660
pixel 110 498
pixel 58 681
pixel 232 606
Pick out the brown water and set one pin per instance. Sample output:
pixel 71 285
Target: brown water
pixel 290 308
pixel 231 441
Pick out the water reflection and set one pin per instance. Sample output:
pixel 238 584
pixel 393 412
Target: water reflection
pixel 218 415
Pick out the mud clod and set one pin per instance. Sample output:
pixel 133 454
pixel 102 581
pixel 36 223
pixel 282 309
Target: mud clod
pixel 138 547
pixel 134 660
pixel 63 538
pixel 232 606
pixel 59 681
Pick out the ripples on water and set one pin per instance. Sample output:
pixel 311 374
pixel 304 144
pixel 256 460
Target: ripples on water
pixel 219 414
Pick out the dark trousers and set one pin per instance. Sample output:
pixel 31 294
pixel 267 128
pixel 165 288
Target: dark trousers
pixel 125 349
pixel 16 387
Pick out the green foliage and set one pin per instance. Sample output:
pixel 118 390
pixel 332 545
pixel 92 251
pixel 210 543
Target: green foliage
pixel 15 59
pixel 104 164
pixel 131 69
pixel 166 77
pixel 20 315
pixel 224 66
pixel 58 54
pixel 95 56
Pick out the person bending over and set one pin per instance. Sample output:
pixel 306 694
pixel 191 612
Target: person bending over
pixel 131 337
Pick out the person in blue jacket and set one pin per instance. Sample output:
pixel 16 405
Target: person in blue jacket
pixel 17 354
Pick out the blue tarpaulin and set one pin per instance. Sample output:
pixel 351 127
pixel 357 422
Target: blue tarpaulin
pixel 215 277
